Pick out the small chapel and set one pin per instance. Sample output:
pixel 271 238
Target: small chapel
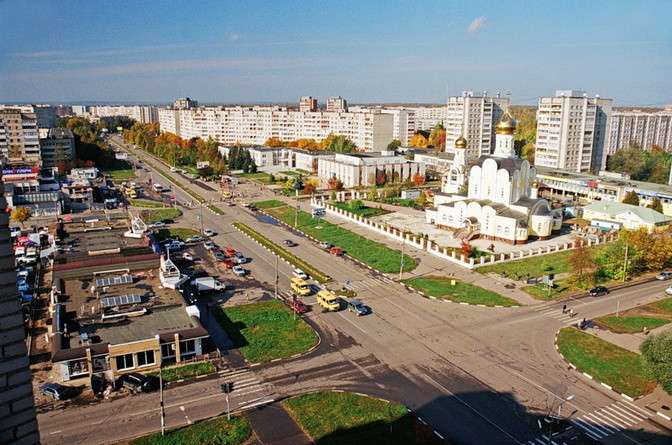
pixel 495 197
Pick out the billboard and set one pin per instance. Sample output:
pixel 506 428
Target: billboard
pixel 202 164
pixel 19 171
pixel 319 212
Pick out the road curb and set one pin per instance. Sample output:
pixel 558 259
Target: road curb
pixel 408 286
pixel 573 366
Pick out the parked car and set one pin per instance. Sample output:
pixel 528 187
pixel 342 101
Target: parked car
pixel 336 251
pixel 245 204
pixel 357 307
pixel 136 382
pixel 328 300
pixel 298 306
pixel 599 290
pixel 22 286
pixel 208 232
pixel 325 245
pixel 56 391
pixel 167 221
pixel 194 239
pixel 208 245
pixel 300 274
pixel 289 243
pixel 230 251
pixel 188 256
pixel 239 258
pixel 230 203
pixel 664 276
pixel 156 225
pixel 228 263
pixel 419 208
pixel 219 256
pixel 239 271
pixel 668 291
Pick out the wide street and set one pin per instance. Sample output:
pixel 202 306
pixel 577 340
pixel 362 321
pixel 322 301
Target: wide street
pixel 475 374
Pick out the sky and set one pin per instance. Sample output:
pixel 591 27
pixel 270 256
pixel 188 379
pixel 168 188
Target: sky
pixel 247 51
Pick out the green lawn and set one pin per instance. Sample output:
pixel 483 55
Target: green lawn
pixel 269 204
pixel 175 232
pixel 357 246
pixel 608 363
pixel 346 418
pixel 304 172
pixel 629 325
pixel 461 292
pixel 365 212
pixel 212 431
pixel 289 173
pixel 148 204
pixel 121 170
pixel 177 372
pixel 261 177
pixel 534 266
pixel 284 253
pixel 150 216
pixel 560 287
pixel 265 331
pixel 664 305
pixel 216 209
pixel 399 201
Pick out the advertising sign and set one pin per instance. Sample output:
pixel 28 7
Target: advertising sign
pixel 319 212
pixel 19 171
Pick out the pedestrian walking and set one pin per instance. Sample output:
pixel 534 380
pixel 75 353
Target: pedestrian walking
pixel 571 312
pixel 564 309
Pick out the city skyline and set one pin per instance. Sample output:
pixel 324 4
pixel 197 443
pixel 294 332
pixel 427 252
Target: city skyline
pixel 223 53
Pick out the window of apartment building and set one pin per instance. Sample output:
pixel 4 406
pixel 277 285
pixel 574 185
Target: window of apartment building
pixel 124 362
pixel 168 350
pixel 78 367
pixel 145 358
pixel 187 347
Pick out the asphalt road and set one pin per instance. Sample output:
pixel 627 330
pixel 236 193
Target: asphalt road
pixel 476 375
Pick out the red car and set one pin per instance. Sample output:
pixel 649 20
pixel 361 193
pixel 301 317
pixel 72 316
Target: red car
pixel 336 251
pixel 298 306
pixel 228 263
pixel 230 251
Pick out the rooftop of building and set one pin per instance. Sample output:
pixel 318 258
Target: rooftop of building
pixel 660 189
pixel 611 208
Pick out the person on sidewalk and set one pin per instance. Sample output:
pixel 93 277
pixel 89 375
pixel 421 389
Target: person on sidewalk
pixel 564 309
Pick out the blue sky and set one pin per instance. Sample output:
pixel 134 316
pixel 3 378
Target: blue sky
pixel 366 51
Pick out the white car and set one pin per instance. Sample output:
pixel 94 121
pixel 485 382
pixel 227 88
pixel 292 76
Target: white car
pixel 245 204
pixel 668 291
pixel 299 273
pixel 157 225
pixel 208 232
pixel 238 270
pixel 208 245
pixel 188 256
pixel 240 258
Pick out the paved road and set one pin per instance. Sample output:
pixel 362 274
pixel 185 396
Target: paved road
pixel 476 375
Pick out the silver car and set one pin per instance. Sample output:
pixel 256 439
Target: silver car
pixel 664 276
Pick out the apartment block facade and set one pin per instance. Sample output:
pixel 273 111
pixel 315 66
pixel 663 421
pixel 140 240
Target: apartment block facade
pixel 426 118
pixel 254 125
pixel 307 103
pixel 53 141
pixel 19 138
pixel 45 115
pixel 143 114
pixel 337 104
pixel 573 131
pixel 646 129
pixel 473 116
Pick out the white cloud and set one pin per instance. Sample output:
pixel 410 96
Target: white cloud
pixel 233 36
pixel 476 25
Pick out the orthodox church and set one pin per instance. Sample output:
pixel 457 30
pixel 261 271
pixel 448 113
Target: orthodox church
pixel 495 197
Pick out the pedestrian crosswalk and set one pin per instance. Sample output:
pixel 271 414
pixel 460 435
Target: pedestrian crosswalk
pixel 363 284
pixel 558 314
pixel 248 390
pixel 611 419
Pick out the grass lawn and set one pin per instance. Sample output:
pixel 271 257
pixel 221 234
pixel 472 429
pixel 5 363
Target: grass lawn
pixel 611 364
pixel 664 305
pixel 261 177
pixel 365 212
pixel 121 170
pixel 346 418
pixel 177 372
pixel 212 431
pixel 399 201
pixel 629 325
pixel 284 253
pixel 265 331
pixel 149 204
pixel 216 209
pixel 357 246
pixel 461 292
pixel 175 232
pixel 289 173
pixel 269 204
pixel 534 266
pixel 150 216
pixel 560 287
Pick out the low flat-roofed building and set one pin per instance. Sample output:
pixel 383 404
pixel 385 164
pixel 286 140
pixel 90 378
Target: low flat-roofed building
pixel 604 214
pixel 78 192
pixel 361 169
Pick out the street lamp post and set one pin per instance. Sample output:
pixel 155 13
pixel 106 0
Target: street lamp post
pixel 163 409
pixel 201 216
pixel 401 260
pixel 557 418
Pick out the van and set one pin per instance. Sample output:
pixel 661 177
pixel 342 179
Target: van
pixel 226 194
pixel 300 286
pixel 157 187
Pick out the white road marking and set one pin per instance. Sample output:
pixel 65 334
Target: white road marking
pixel 351 322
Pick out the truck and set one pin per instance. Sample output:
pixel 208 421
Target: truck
pixel 208 284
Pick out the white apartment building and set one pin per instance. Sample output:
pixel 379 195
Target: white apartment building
pixel 143 114
pixel 19 137
pixel 473 116
pixel 307 103
pixel 336 104
pixel 426 118
pixel 44 114
pixel 403 124
pixel 646 129
pixel 254 125
pixel 54 139
pixel 185 102
pixel 360 169
pixel 80 110
pixel 572 131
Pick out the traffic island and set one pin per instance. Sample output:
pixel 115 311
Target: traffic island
pixel 613 367
pixel 449 289
pixel 266 331
pixel 638 319
pixel 218 430
pixel 356 419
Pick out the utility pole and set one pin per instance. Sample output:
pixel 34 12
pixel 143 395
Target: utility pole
pixel 276 277
pixel 163 410
pixel 200 217
pixel 296 208
pixel 401 260
pixel 625 262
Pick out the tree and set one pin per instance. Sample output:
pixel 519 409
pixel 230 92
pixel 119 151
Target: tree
pixel 356 204
pixel 631 198
pixel 611 259
pixel 527 152
pixel 341 144
pixel 21 214
pixel 273 142
pixel 373 193
pixel 381 179
pixel 631 160
pixel 582 266
pixel 64 167
pixel 253 167
pixel 656 205
pixel 206 171
pixel 419 141
pixel 310 186
pixel 656 358
pixel 418 179
pixel 334 184
pixel 422 200
pixel 392 146
pixel 437 138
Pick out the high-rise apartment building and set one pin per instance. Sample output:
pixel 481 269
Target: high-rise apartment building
pixel 336 104
pixel 19 138
pixel 254 125
pixel 307 103
pixel 17 419
pixel 141 113
pixel 426 118
pixel 473 116
pixel 185 103
pixel 572 131
pixel 44 114
pixel 403 124
pixel 646 129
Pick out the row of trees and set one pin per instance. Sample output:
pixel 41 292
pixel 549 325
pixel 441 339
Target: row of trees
pixel 435 139
pixel 240 159
pixel 642 165
pixel 632 199
pixel 334 143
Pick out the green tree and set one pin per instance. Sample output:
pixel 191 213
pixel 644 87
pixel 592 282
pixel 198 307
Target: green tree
pixel 356 204
pixel 372 195
pixel 21 215
pixel 341 144
pixel 206 171
pixel 611 259
pixel 582 265
pixel 656 205
pixel 656 358
pixel 630 160
pixel 631 198
pixel 396 143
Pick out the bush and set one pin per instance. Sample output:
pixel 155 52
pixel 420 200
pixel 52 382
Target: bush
pixel 356 204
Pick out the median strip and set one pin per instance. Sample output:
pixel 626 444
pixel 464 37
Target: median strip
pixel 282 253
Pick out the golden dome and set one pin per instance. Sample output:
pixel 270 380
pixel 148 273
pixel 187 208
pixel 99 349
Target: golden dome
pixel 461 142
pixel 506 125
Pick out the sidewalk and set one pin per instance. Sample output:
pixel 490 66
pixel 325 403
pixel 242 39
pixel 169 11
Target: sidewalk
pixel 273 425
